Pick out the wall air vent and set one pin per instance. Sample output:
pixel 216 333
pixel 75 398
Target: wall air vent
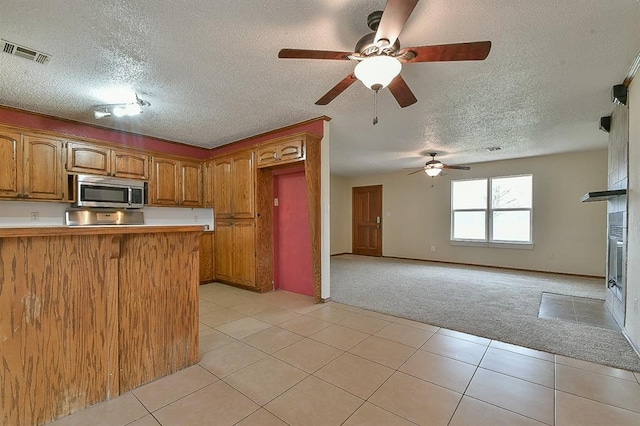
pixel 24 52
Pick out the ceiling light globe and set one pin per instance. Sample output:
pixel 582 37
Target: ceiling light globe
pixel 133 109
pixel 98 114
pixel 433 171
pixel 119 112
pixel 378 71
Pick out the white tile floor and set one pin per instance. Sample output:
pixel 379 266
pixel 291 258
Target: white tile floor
pixel 278 359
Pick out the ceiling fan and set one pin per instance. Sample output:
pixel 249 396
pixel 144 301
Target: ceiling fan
pixel 380 56
pixel 434 167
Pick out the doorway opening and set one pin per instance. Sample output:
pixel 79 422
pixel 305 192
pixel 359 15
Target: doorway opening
pixel 293 264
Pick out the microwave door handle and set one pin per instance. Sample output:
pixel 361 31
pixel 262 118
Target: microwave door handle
pixel 130 196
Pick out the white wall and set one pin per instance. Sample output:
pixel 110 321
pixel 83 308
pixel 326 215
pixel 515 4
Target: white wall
pixel 569 236
pixel 325 202
pixel 632 321
pixel 340 220
pixel 18 213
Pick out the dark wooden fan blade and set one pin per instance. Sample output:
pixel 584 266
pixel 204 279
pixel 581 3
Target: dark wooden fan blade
pixel 444 166
pixel 474 51
pixel 401 92
pixel 417 171
pixel 395 15
pixel 337 89
pixel 313 54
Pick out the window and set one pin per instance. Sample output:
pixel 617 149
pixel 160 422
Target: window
pixel 492 210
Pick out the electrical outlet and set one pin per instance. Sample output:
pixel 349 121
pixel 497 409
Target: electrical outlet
pixel 195 219
pixel 635 306
pixel 433 248
pixel 35 216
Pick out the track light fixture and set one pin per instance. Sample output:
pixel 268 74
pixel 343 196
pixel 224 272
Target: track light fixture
pixel 121 110
pixel 619 94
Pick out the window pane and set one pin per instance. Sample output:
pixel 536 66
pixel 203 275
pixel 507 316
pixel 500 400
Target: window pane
pixel 511 192
pixel 469 194
pixel 469 226
pixel 512 226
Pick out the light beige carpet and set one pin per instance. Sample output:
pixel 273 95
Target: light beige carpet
pixel 494 303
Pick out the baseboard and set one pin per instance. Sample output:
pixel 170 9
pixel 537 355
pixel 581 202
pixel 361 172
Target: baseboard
pixel 631 343
pixel 495 267
pixel 242 286
pixel 339 254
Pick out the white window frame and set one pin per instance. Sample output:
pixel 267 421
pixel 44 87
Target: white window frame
pixel 488 211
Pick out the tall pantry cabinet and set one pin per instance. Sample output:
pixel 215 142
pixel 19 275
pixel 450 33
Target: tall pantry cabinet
pixel 234 207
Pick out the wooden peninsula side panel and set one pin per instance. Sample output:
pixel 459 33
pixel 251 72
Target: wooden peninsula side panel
pixel 158 306
pixel 58 323
pixel 89 313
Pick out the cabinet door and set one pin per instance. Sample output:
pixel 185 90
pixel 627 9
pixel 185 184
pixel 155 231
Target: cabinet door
pixel 224 255
pixel 164 186
pixel 42 173
pixel 207 183
pixel 267 155
pixel 244 253
pixel 129 165
pixel 10 164
pixel 242 192
pixel 292 150
pixel 91 159
pixel 222 188
pixel 207 271
pixel 191 184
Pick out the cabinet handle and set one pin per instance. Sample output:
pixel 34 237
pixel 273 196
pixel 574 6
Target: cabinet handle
pixel 26 195
pixel 275 156
pixel 19 195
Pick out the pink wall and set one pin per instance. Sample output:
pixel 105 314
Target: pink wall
pixel 315 127
pixel 15 117
pixel 73 128
pixel 292 234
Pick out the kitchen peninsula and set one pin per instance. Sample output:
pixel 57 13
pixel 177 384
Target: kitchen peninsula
pixel 88 313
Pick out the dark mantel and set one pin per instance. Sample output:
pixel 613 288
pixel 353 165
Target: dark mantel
pixel 602 195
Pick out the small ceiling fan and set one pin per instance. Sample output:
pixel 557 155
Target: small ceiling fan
pixel 434 167
pixel 380 56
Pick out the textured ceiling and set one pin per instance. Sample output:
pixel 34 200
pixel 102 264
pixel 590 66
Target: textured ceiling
pixel 211 73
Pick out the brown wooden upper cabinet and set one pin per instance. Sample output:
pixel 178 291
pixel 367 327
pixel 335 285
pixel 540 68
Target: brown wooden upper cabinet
pixel 99 160
pixel 30 167
pixel 234 186
pixel 281 151
pixel 176 183
pixel 191 183
pixel 208 169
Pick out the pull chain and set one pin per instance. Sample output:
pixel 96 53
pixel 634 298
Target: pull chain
pixel 375 107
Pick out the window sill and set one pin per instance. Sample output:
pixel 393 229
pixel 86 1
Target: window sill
pixel 468 243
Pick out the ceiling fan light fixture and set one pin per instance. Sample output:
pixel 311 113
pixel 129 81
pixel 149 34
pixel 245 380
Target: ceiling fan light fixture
pixel 433 171
pixel 376 72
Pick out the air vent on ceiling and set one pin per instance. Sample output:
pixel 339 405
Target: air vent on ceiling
pixel 24 52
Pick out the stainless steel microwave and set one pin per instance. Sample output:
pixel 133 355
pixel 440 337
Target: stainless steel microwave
pixel 103 191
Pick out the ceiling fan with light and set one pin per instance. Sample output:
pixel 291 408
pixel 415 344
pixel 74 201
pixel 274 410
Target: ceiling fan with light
pixel 434 167
pixel 380 56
